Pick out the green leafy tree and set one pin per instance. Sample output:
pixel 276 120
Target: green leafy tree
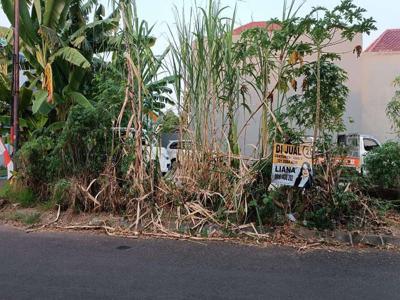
pixel 169 122
pixel 333 92
pixel 349 20
pixel 271 55
pixel 393 109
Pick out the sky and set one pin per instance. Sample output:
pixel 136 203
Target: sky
pixel 161 13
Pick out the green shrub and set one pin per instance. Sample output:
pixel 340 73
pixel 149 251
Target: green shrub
pixel 84 143
pixel 61 193
pixel 343 208
pixel 383 165
pixel 80 150
pixel 34 159
pixel 266 211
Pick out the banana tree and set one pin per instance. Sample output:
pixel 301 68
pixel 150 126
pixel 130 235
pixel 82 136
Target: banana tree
pixel 5 83
pixel 59 45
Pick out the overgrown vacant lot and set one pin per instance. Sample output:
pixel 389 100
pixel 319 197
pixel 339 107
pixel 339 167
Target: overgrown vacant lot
pixel 91 155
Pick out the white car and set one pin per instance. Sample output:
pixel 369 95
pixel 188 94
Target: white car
pixel 160 154
pixel 178 146
pixel 149 150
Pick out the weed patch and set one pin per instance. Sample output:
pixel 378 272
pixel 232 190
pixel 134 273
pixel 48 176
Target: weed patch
pixel 26 218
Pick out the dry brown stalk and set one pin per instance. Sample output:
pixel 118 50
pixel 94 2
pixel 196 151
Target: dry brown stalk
pixel 89 196
pixel 107 229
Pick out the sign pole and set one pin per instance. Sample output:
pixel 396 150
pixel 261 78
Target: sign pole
pixel 15 92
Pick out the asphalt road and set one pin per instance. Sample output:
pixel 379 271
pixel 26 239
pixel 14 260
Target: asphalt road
pixel 84 266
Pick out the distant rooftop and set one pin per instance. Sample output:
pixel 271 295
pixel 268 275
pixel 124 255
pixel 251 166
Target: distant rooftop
pixel 262 24
pixel 389 41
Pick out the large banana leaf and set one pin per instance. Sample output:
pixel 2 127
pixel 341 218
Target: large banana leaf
pixel 96 26
pixel 40 104
pixel 109 44
pixel 75 79
pixel 78 98
pixel 37 5
pixel 53 11
pixel 56 126
pixel 26 22
pixel 162 84
pixel 37 122
pixel 28 31
pixel 5 89
pixel 25 95
pixel 71 55
pixel 5 121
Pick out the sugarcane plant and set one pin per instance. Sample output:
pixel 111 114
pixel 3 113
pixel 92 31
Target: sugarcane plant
pixel 147 92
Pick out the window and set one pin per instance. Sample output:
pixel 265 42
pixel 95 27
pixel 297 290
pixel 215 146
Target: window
pixel 174 145
pixel 181 145
pixel 352 143
pixel 370 144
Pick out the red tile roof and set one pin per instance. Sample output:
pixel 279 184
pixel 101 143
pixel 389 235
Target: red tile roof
pixel 268 26
pixel 389 41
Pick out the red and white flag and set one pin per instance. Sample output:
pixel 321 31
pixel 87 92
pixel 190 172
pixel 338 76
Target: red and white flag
pixel 7 159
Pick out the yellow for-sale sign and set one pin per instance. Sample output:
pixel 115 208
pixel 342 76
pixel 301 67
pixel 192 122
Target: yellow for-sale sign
pixel 292 165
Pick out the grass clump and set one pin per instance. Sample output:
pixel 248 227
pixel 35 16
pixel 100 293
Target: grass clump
pixel 18 194
pixel 26 218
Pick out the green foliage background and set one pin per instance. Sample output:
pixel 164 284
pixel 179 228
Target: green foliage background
pixel 383 165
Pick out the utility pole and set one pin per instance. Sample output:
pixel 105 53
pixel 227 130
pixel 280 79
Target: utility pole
pixel 14 136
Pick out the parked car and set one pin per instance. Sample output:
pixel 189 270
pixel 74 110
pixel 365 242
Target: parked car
pixel 152 151
pixel 158 153
pixel 176 148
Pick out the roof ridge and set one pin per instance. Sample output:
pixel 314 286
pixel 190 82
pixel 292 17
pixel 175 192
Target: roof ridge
pixel 385 41
pixel 374 43
pixel 253 24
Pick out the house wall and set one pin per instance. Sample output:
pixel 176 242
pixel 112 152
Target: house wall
pixel 378 73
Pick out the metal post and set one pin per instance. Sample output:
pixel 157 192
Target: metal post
pixel 15 86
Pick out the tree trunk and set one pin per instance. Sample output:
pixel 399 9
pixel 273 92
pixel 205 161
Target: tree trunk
pixel 317 124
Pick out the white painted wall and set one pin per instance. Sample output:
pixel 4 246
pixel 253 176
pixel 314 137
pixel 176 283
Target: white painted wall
pixel 378 73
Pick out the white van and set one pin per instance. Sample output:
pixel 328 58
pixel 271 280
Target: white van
pixel 359 145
